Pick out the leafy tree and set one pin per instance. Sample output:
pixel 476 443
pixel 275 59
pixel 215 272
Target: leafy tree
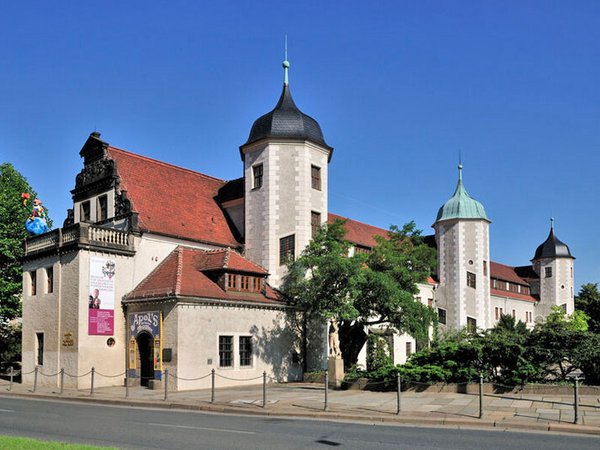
pixel 12 233
pixel 363 290
pixel 588 301
pixel 578 321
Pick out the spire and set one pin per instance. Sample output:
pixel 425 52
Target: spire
pixel 461 205
pixel 286 64
pixel 552 247
pixel 552 223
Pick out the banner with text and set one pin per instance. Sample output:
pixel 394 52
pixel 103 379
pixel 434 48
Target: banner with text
pixel 101 300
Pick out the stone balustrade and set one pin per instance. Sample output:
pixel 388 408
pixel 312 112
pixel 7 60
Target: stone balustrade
pixel 80 235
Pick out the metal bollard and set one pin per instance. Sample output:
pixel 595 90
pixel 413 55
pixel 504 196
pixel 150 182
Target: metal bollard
pixel 126 384
pixel 264 389
pixel 166 383
pixel 576 401
pixel 480 395
pixel 93 371
pixel 12 374
pixel 35 376
pixel 212 386
pixel 326 390
pixel 62 380
pixel 399 383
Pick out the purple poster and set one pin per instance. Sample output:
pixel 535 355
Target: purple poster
pixel 101 300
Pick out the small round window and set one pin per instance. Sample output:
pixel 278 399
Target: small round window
pixel 110 342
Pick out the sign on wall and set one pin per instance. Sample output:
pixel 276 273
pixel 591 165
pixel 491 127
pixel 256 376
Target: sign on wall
pixel 151 323
pixel 101 299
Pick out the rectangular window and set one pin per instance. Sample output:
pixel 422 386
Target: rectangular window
pixel 244 283
pixel 33 285
pixel 564 307
pixel 102 208
pixel 245 350
pixel 485 268
pixel 256 284
pixel 49 279
pixel 257 176
pixel 315 177
pixel 225 351
pixel 514 314
pixel 231 281
pixel 361 250
pixel 85 213
pixel 39 357
pixel 471 280
pixel 513 287
pixel 501 312
pixel 548 272
pixel 408 349
pixel 430 302
pixel 472 324
pixel 286 249
pixel 442 316
pixel 315 222
pixel 497 313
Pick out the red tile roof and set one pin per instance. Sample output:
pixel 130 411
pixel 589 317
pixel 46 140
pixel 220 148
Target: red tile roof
pixel 173 201
pixel 506 273
pixel 184 273
pixel 514 295
pixel 359 233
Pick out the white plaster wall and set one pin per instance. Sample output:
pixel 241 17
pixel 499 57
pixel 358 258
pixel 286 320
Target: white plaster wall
pixel 463 245
pixel 199 328
pixel 283 205
pixel 521 307
pixel 41 315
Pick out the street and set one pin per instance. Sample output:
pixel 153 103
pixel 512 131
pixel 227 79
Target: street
pixel 135 428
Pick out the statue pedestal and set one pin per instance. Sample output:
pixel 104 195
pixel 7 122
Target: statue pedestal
pixel 336 371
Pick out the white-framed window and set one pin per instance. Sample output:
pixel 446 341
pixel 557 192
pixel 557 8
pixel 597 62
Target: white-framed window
pixel 225 351
pixel 257 176
pixel 471 280
pixel 442 316
pixel 245 351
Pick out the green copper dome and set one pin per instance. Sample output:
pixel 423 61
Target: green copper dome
pixel 461 205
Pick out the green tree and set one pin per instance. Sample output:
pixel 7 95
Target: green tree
pixel 12 233
pixel 363 290
pixel 588 301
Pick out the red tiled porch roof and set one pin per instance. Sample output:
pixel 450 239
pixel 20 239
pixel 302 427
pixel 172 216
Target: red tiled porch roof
pixel 184 273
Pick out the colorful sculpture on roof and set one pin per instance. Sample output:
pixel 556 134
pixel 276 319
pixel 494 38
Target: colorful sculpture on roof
pixel 37 222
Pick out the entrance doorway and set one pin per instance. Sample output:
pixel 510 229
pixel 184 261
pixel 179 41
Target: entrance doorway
pixel 145 344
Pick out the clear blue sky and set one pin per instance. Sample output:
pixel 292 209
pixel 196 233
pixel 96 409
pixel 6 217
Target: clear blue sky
pixel 399 89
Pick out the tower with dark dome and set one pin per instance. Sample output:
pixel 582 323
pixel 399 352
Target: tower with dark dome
pixel 462 236
pixel 553 263
pixel 285 183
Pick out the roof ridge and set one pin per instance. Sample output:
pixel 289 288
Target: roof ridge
pixel 163 163
pixel 358 221
pixel 226 260
pixel 501 264
pixel 179 272
pixel 156 269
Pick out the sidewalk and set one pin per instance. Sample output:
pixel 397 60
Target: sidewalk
pixel 539 412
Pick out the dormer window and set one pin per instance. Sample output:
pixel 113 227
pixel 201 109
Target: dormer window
pixel 85 213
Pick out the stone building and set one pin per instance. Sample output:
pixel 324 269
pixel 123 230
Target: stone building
pixel 159 267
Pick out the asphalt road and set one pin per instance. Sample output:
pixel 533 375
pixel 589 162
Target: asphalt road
pixel 128 427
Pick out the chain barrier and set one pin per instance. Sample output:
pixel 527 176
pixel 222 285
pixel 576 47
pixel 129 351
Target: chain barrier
pixel 111 376
pixel 48 375
pixel 78 376
pixel 239 379
pixel 190 379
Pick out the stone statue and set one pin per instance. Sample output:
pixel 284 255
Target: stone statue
pixel 334 340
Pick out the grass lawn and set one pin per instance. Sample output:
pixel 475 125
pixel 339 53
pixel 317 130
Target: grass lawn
pixel 19 443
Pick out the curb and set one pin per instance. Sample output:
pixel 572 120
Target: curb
pixel 415 419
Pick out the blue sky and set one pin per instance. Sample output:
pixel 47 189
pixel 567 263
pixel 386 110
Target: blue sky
pixel 399 88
